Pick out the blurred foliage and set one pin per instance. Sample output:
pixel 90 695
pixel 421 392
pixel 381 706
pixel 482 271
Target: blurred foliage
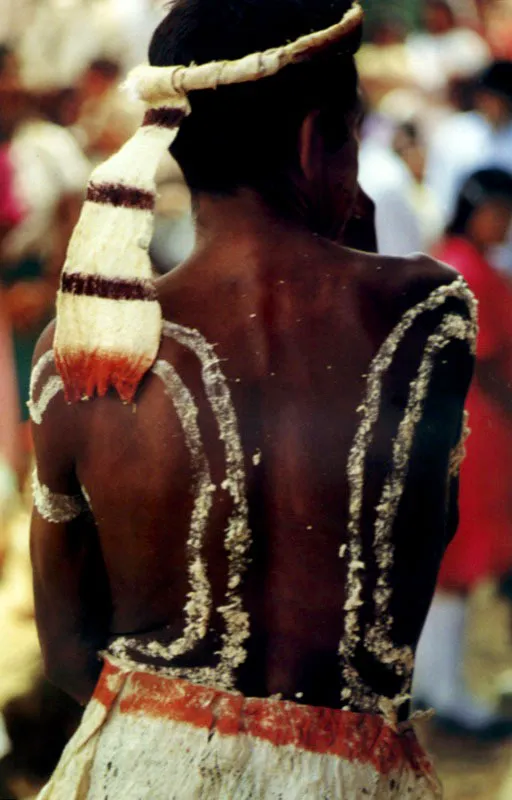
pixel 406 10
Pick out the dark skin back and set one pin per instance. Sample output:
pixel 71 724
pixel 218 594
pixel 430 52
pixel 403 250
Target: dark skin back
pixel 296 321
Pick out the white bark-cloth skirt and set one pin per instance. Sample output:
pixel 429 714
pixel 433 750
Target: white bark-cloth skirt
pixel 148 737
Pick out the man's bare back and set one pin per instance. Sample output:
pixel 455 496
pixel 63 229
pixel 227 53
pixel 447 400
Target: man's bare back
pixel 295 323
pixel 251 547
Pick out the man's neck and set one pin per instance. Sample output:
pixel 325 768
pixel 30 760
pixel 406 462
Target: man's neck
pixel 243 217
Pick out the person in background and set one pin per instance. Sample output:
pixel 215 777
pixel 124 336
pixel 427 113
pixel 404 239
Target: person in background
pixel 383 60
pixel 11 207
pixel 50 176
pixel 137 19
pixel 483 547
pixel 496 23
pixel 9 66
pixel 473 140
pixel 388 181
pixel 107 116
pixel 410 146
pixel 58 40
pixel 11 214
pixel 16 14
pixel 10 456
pixel 444 50
pixel 11 103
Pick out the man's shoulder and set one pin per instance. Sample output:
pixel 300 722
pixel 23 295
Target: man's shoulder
pixel 425 272
pixel 55 422
pixel 413 275
pixel 401 284
pixel 45 342
pixel 44 375
pixel 422 276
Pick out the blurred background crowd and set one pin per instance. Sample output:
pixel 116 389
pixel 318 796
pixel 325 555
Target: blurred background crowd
pixel 436 157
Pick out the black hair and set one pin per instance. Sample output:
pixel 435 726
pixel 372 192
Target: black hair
pixel 497 79
pixel 247 134
pixel 482 187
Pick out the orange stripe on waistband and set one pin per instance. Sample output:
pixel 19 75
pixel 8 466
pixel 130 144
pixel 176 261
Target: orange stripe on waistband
pixel 109 685
pixel 361 738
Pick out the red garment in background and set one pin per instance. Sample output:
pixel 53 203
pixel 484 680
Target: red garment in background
pixel 11 211
pixel 482 547
pixel 9 406
pixel 11 214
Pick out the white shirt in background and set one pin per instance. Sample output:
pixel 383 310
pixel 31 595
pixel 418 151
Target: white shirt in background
pixel 138 19
pixel 435 60
pixel 61 39
pixel 461 145
pixel 63 36
pixel 15 16
pixel 48 165
pixel 386 179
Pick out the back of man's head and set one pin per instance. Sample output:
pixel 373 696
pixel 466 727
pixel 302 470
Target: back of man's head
pixel 247 134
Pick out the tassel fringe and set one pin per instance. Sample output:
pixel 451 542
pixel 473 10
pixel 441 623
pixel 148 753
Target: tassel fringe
pixel 88 374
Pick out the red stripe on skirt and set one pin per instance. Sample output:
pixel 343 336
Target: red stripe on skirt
pixel 359 738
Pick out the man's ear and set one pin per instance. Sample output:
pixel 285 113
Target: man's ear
pixel 310 145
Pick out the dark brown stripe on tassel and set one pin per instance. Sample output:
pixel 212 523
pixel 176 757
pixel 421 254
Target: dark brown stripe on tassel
pixel 96 286
pixel 119 196
pixel 164 117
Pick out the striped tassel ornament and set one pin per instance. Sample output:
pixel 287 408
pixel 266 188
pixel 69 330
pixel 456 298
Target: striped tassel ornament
pixel 109 321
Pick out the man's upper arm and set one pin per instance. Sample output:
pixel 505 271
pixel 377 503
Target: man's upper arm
pixel 72 611
pixel 53 421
